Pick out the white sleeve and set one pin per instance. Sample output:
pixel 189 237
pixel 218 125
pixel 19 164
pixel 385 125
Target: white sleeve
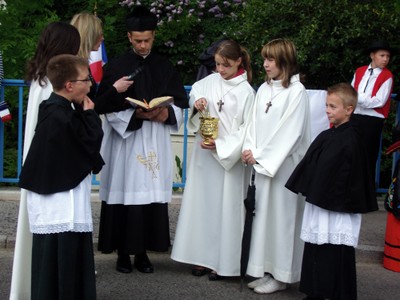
pixel 366 101
pixel 119 121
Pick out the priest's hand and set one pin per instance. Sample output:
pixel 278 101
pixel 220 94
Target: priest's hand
pixel 200 104
pixel 159 114
pixel 122 84
pixel 210 144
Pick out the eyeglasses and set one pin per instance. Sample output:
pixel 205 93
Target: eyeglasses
pixel 87 79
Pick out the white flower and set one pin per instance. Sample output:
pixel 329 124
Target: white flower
pixel 3 5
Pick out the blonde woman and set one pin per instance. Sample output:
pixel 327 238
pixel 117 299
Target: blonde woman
pixel 91 32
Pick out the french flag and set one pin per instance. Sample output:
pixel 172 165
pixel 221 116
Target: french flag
pixel 5 114
pixel 96 61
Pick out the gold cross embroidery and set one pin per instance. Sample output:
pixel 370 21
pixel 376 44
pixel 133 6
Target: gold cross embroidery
pixel 151 162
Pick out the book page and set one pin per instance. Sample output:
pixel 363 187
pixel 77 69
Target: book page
pixel 161 101
pixel 155 102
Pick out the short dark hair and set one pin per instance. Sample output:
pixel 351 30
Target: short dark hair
pixel 63 68
pixel 345 92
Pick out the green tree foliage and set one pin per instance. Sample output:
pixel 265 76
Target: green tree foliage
pixel 330 35
pixel 21 22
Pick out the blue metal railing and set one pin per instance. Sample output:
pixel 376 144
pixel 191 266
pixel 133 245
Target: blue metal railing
pixel 21 85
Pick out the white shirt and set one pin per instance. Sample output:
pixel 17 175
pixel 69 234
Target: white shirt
pixel 367 103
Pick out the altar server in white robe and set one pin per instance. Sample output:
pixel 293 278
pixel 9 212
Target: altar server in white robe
pixel 211 219
pixel 277 139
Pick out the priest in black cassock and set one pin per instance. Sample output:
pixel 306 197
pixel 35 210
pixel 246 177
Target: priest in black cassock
pixel 136 182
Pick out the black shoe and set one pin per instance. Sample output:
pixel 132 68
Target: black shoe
pixel 214 276
pixel 142 263
pixel 199 271
pixel 124 263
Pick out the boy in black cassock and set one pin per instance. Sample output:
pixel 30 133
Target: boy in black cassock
pixel 335 178
pixel 65 150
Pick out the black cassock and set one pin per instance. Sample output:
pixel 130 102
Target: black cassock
pixel 157 77
pixel 334 173
pixel 65 148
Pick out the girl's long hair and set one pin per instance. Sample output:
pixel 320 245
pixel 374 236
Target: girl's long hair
pixel 284 53
pixel 231 49
pixel 56 38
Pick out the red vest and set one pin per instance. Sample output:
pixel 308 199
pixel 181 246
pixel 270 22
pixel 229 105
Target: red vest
pixel 382 77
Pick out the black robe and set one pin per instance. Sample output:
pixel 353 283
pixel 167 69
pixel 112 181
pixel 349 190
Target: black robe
pixel 64 149
pixel 334 174
pixel 157 78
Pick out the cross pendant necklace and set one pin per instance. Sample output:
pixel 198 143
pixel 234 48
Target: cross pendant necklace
pixel 221 101
pixel 269 104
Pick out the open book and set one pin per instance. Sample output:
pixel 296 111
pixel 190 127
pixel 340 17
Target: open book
pixel 153 103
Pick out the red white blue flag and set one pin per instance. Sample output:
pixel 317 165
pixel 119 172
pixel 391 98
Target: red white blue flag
pixel 97 60
pixel 5 114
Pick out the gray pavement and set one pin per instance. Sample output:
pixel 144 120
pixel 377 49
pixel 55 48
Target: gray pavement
pixel 172 280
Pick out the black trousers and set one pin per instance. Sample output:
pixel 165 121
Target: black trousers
pixel 329 271
pixel 134 229
pixel 63 266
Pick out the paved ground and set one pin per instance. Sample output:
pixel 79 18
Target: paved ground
pixel 172 280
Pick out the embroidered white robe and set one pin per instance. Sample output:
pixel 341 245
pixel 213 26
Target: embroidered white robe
pixel 143 159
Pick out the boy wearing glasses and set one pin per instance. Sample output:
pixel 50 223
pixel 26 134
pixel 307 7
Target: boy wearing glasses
pixel 65 150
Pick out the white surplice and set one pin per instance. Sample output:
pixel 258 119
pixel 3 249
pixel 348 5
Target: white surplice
pixel 21 278
pixel 211 218
pixel 321 226
pixel 63 211
pixel 138 167
pixel 278 140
